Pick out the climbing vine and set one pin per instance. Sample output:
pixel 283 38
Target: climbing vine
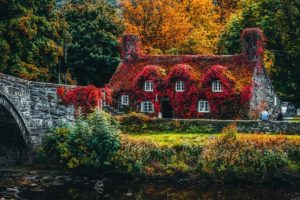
pixel 222 104
pixel 84 98
pixel 184 103
pixel 155 75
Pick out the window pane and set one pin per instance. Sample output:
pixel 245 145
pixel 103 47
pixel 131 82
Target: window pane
pixel 203 106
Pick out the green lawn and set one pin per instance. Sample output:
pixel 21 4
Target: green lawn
pixel 174 139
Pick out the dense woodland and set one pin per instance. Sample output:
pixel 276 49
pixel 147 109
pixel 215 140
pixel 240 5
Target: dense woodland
pixel 79 38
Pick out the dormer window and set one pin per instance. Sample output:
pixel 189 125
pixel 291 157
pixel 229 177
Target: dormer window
pixel 203 106
pixel 125 100
pixel 179 86
pixel 216 86
pixel 148 86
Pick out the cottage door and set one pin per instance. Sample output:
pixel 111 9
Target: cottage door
pixel 167 111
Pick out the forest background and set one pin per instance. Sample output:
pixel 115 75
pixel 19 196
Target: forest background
pixel 76 41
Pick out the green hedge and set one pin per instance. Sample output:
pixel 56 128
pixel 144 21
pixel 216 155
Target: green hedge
pixel 137 122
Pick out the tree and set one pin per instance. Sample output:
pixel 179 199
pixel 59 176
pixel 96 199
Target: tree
pixel 93 52
pixel 187 26
pixel 280 22
pixel 90 142
pixel 226 8
pixel 30 39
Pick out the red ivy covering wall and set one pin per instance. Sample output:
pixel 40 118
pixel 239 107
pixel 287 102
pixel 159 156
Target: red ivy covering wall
pixel 86 98
pixel 154 74
pixel 222 104
pixel 229 103
pixel 253 41
pixel 184 103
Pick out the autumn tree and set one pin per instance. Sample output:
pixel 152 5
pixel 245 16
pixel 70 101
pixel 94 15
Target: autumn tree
pixel 226 8
pixel 30 39
pixel 186 26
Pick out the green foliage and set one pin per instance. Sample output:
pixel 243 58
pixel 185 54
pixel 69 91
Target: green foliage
pixel 230 132
pixel 143 157
pixel 255 159
pixel 93 52
pixel 135 122
pixel 229 157
pixel 30 39
pixel 280 22
pixel 138 122
pixel 90 142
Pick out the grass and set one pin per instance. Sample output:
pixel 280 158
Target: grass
pixel 174 139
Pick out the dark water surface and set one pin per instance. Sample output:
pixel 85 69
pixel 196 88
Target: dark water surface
pixel 162 191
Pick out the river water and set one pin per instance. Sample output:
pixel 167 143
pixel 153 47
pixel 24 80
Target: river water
pixel 148 191
pixel 48 185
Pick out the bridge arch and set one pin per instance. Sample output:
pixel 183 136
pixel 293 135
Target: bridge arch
pixel 12 125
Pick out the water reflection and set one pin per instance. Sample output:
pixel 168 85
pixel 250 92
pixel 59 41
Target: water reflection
pixel 136 191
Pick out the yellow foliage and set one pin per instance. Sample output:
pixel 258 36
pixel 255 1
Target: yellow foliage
pixel 191 26
pixel 32 72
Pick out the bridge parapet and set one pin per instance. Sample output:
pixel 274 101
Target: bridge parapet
pixel 37 104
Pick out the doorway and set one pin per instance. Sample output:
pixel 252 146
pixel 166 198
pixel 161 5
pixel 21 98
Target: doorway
pixel 167 111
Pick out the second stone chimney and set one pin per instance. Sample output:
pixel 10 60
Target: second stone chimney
pixel 253 40
pixel 130 47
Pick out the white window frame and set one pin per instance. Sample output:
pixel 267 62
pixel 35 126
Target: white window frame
pixel 203 106
pixel 275 101
pixel 147 107
pixel 179 86
pixel 216 86
pixel 148 86
pixel 124 100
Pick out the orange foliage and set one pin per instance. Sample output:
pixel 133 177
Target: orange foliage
pixel 190 26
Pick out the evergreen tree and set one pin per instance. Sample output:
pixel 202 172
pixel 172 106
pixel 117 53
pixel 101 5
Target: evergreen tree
pixel 30 38
pixel 93 53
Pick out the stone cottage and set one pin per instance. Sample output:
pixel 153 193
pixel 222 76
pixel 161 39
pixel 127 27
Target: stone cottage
pixel 195 86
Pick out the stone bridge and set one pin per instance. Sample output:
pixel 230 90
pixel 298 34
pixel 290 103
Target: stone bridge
pixel 27 110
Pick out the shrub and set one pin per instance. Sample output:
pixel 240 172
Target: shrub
pixel 90 142
pixel 146 158
pixel 245 158
pixel 134 122
pixel 230 131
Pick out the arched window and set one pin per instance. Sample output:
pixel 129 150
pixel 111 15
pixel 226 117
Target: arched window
pixel 203 106
pixel 179 86
pixel 216 86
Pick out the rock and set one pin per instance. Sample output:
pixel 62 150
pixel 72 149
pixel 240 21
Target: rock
pixel 12 190
pixel 99 186
pixel 37 190
pixel 128 194
pixel 33 185
pixel 57 183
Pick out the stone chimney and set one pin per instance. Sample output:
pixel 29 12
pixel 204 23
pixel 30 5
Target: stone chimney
pixel 130 47
pixel 253 40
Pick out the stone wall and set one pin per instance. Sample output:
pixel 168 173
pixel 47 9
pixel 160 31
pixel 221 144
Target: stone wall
pixel 211 126
pixel 27 110
pixel 264 95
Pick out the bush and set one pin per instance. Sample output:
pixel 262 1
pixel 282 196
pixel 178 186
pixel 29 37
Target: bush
pixel 134 122
pixel 146 158
pixel 90 142
pixel 246 158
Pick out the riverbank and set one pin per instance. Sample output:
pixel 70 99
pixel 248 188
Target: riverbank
pixel 26 183
pixel 253 158
pixel 98 142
